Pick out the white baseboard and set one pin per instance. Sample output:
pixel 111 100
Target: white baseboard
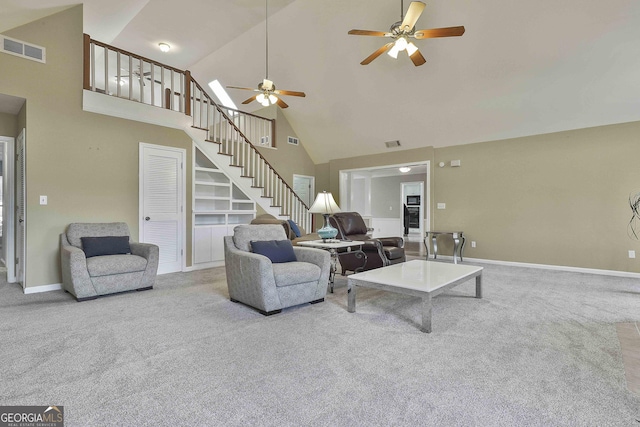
pixel 204 266
pixel 43 288
pixel 615 273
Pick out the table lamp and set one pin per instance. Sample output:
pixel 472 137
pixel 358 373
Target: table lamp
pixel 325 205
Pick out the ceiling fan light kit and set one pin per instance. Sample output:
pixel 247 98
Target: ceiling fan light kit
pixel 403 30
pixel 267 89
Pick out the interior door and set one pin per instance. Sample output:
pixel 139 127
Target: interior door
pixel 21 217
pixel 304 187
pixel 162 200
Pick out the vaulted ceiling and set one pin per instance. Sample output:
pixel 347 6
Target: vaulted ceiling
pixel 521 68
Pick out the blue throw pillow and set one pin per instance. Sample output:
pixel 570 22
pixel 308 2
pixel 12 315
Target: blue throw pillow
pixel 275 250
pixel 108 245
pixel 294 228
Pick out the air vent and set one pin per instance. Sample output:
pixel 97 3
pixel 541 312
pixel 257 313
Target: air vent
pixel 22 49
pixel 392 144
pixel 292 140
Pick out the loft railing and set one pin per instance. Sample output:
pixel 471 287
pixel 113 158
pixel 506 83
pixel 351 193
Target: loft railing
pixel 116 72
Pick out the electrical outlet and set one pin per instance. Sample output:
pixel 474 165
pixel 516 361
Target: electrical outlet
pixel 442 205
pixel 473 244
pixel 632 254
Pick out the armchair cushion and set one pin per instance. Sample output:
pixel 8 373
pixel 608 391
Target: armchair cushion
pixel 107 245
pixel 107 265
pixel 277 251
pixel 293 273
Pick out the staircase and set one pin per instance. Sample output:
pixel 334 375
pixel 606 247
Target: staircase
pixel 227 136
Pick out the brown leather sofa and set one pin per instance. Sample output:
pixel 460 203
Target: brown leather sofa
pixel 380 252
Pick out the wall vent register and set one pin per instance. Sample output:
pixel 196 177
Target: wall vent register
pixel 22 49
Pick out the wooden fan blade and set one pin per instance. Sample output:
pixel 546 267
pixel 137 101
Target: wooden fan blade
pixel 417 58
pixel 243 88
pixel 288 92
pixel 414 12
pixel 369 33
pixel 439 32
pixel 250 99
pixel 377 53
pixel 281 103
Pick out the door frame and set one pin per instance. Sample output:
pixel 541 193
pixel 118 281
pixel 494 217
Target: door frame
pixel 8 203
pixel 421 218
pixel 345 187
pixel 21 186
pixel 183 198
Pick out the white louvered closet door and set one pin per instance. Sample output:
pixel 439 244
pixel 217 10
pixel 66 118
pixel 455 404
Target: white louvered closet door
pixel 162 203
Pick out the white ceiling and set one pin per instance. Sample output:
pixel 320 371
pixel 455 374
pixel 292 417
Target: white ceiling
pixel 522 67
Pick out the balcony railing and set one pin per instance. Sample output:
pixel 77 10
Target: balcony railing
pixel 116 72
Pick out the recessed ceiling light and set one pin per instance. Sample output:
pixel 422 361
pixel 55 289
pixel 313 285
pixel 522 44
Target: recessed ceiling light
pixel 404 169
pixel 164 47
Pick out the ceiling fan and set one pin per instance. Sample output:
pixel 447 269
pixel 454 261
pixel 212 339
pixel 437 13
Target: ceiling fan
pixel 403 30
pixel 137 76
pixel 267 90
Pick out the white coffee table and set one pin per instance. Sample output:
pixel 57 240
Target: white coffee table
pixel 424 279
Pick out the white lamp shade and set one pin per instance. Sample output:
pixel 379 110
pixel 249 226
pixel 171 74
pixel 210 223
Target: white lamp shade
pixel 324 204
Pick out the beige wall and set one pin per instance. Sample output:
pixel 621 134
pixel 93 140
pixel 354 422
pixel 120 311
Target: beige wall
pixel 8 125
pixel 87 164
pixel 555 199
pixel 558 199
pixel 287 159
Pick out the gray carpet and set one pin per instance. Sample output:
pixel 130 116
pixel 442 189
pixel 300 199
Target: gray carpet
pixel 540 349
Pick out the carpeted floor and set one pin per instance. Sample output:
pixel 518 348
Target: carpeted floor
pixel 540 349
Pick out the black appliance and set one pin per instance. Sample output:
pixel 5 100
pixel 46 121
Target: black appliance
pixel 414 216
pixel 413 200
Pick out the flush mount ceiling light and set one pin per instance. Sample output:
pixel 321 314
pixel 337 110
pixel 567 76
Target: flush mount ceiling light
pixel 404 169
pixel 164 47
pixel 404 29
pixel 267 89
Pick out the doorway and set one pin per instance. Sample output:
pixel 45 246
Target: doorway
pixel 412 196
pixel 377 194
pixel 7 149
pixel 305 187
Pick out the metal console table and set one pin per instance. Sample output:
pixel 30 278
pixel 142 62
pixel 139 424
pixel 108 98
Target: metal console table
pixel 457 237
pixel 337 248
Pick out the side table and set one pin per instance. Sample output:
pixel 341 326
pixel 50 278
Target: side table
pixel 457 236
pixel 337 248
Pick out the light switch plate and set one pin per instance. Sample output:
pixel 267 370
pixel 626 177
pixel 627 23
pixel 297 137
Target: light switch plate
pixel 43 200
pixel 442 205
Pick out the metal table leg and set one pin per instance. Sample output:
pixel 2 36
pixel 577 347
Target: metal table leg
pixel 456 246
pixel 426 314
pixel 479 286
pixel 332 270
pixel 351 296
pixel 434 240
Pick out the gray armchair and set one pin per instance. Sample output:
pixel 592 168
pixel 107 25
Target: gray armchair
pixel 269 287
pixel 89 277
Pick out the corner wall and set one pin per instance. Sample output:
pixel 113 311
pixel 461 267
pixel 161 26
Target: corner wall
pixel 86 163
